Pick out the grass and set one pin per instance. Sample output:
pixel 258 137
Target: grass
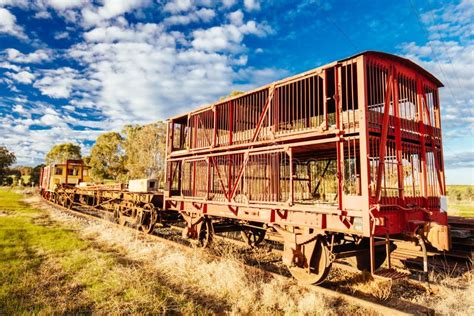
pixel 461 200
pixel 46 268
pixel 51 263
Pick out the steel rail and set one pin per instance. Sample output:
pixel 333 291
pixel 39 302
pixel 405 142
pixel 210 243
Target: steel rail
pixel 412 308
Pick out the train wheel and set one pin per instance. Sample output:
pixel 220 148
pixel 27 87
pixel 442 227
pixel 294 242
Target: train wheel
pixel 362 261
pixel 116 216
pixel 253 236
pixel 319 263
pixel 206 233
pixel 150 217
pixel 63 200
pixel 121 220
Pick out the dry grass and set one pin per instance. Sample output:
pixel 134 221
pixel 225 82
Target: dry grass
pixel 364 283
pixel 221 285
pixel 454 296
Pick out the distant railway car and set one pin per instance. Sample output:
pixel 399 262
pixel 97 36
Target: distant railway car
pixel 335 162
pixel 71 172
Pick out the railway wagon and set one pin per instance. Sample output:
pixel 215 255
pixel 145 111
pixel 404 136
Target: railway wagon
pixel 335 162
pixel 139 204
pixel 70 172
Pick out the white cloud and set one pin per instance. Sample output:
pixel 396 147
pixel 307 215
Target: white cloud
pixel 57 83
pixel 204 15
pixel 226 37
pixel 61 35
pixel 38 56
pixel 8 24
pixel 144 72
pixel 66 4
pixel 24 77
pixel 176 6
pixel 110 9
pixel 148 32
pixel 252 5
pixel 228 3
pixel 7 65
pixel 19 109
pixel 51 120
pixel 18 3
pixel 42 15
pixel 236 17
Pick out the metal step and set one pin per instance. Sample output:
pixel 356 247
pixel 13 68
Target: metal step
pixel 392 274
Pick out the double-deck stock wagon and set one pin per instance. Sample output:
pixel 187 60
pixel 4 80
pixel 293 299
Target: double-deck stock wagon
pixel 335 162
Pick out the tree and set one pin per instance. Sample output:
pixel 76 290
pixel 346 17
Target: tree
pixel 35 174
pixel 145 148
pixel 7 158
pixel 15 176
pixel 25 170
pixel 232 94
pixel 62 152
pixel 107 157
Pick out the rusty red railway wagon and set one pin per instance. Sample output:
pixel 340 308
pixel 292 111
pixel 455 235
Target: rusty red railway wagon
pixel 335 162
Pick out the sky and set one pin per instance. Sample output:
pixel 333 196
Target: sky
pixel 73 69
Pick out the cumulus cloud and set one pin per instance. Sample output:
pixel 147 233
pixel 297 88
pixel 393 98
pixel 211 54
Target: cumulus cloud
pixel 24 77
pixel 64 4
pixel 227 37
pixel 42 15
pixel 38 56
pixel 58 83
pixel 204 15
pixel 228 3
pixel 110 9
pixel 176 6
pixel 8 25
pixel 252 5
pixel 236 17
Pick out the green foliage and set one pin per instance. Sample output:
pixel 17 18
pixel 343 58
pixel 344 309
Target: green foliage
pixel 35 174
pixel 145 149
pixel 232 94
pixel 62 152
pixel 107 157
pixel 8 181
pixel 461 200
pixel 460 192
pixel 7 158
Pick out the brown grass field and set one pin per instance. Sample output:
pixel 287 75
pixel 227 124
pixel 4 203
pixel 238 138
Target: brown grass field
pixel 52 263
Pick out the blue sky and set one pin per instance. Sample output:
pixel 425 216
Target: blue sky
pixel 72 69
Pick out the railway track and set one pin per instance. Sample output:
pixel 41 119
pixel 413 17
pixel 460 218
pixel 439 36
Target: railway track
pixel 396 307
pixel 456 261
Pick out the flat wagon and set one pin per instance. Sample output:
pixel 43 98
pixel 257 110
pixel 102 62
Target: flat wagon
pixel 334 162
